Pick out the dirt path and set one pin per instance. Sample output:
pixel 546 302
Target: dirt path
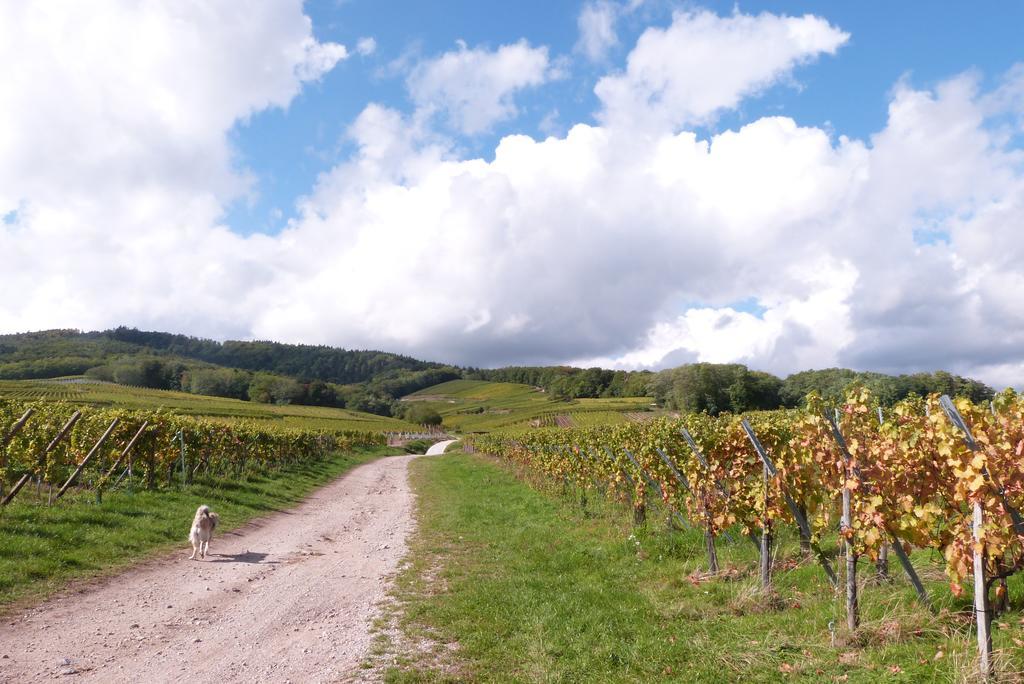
pixel 286 598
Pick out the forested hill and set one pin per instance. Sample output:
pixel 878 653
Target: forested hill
pixel 329 364
pixel 373 381
pixel 70 352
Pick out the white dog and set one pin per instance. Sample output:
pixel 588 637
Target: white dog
pixel 202 531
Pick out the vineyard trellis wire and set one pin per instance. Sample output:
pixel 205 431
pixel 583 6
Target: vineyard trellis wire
pixel 933 473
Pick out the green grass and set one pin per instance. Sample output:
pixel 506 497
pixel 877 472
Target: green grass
pixel 43 547
pixel 85 391
pixel 513 584
pixel 481 406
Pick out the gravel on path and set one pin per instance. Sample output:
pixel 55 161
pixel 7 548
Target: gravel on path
pixel 288 597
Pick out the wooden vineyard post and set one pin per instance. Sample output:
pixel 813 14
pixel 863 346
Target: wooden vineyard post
pixel 882 564
pixel 640 512
pixel 896 545
pixel 131 461
pixel 1015 517
pixel 15 429
pixel 203 460
pixel 709 547
pixel 127 449
pixel 805 538
pixel 852 606
pixel 682 480
pixel 651 482
pixel 1003 597
pixel 982 610
pixel 801 521
pixel 718 484
pixel 766 538
pixel 88 456
pixel 42 456
pixel 648 482
pixel 954 417
pixel 179 436
pixel 709 537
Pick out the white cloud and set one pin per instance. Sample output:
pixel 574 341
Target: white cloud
pixel 366 46
pixel 796 333
pixel 704 63
pixel 611 246
pixel 318 59
pixel 475 88
pixel 550 246
pixel 114 152
pixel 612 242
pixel 596 24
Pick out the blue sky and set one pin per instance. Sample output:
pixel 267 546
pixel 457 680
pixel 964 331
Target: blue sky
pixel 921 42
pixel 623 183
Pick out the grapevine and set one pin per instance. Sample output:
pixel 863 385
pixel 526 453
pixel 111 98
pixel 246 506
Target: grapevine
pixel 212 447
pixel 912 476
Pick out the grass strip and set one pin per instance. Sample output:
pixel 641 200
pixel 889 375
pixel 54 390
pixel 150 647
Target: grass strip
pixel 42 548
pixel 508 583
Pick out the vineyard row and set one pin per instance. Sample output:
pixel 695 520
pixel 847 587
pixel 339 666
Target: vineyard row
pixel 64 446
pixel 931 473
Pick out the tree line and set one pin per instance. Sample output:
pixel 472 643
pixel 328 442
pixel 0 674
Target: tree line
pixel 730 387
pixel 718 388
pixel 378 396
pixel 373 381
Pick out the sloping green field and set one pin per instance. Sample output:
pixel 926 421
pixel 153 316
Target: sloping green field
pixel 80 390
pixel 480 406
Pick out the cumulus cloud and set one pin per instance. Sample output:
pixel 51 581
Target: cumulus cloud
pixel 572 243
pixel 611 247
pixel 475 87
pixel 794 333
pixel 625 245
pixel 703 63
pixel 115 160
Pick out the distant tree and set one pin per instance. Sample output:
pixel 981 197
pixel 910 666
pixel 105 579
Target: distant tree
pixel 357 398
pixel 260 388
pixel 716 388
pixel 217 382
pixel 103 373
pixel 830 383
pixel 422 414
pixel 319 393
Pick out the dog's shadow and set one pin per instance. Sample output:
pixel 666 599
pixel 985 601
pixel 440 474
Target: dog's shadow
pixel 247 557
